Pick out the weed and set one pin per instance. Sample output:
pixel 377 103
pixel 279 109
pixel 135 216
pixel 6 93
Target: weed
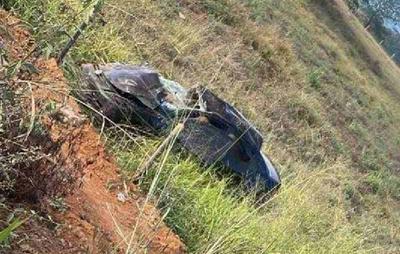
pixel 314 78
pixel 358 129
pixel 301 111
pixel 6 233
pixel 51 107
pixel 9 113
pixel 349 191
pixel 222 10
pixel 58 204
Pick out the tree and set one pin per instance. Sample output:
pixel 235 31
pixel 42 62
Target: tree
pixel 382 9
pixel 354 5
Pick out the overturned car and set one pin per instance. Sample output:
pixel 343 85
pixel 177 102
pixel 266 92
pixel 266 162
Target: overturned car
pixel 213 130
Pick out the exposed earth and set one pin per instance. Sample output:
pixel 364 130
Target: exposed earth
pixel 80 203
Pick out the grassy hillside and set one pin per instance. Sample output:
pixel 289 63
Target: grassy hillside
pixel 323 93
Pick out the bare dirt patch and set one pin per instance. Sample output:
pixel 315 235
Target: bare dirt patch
pixel 75 183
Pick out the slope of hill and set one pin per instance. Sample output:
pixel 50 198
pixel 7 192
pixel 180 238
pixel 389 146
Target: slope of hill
pixel 321 90
pixel 56 178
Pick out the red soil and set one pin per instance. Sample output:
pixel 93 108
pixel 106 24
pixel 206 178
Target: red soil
pixel 77 171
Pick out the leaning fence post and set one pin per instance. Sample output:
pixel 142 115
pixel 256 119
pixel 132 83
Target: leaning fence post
pixel 93 11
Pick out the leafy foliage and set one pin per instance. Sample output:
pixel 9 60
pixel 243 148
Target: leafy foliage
pixel 384 9
pixel 6 233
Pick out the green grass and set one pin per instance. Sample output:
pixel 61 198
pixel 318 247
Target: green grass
pixel 213 217
pixel 322 92
pixel 6 232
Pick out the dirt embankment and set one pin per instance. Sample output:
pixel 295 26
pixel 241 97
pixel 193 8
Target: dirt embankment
pixel 76 183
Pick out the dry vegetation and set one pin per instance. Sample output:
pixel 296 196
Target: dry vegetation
pixel 323 93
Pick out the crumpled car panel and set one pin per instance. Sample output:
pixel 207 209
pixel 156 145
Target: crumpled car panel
pixel 222 134
pixel 214 131
pixel 124 93
pixel 143 83
pixel 211 103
